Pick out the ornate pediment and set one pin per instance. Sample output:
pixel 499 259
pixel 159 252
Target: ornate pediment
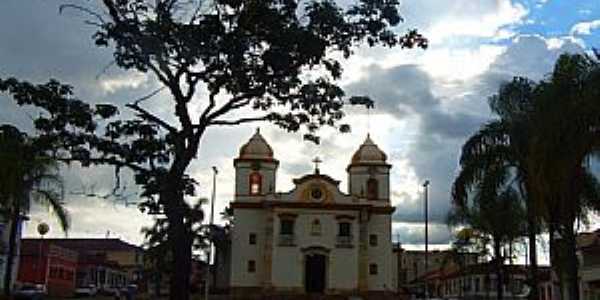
pixel 317 188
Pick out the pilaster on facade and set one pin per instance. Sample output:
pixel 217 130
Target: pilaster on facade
pixel 268 251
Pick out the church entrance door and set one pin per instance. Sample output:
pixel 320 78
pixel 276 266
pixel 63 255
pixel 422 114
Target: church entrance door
pixel 314 273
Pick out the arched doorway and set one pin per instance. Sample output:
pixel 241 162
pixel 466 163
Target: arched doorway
pixel 315 270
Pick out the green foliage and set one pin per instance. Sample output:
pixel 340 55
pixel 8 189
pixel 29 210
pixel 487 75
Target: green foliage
pixel 28 176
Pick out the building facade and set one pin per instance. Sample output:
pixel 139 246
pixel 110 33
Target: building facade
pixel 315 238
pixel 44 263
pixel 108 264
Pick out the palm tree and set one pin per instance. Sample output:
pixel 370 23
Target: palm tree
pixel 566 122
pixel 495 210
pixel 504 144
pixel 27 176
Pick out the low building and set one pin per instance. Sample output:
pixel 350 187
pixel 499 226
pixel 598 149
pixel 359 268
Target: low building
pixel 411 265
pixel 129 258
pixel 479 281
pixel 43 262
pixel 588 245
pixel 96 270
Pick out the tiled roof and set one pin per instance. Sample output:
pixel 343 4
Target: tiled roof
pixel 84 245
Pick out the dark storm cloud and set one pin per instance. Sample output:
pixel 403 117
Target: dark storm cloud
pixel 406 92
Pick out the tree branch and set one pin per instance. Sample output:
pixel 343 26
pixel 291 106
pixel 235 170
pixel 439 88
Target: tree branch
pixel 234 103
pixel 107 161
pixel 146 115
pixel 240 121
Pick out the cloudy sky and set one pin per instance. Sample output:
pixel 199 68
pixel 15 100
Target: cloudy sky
pixel 427 102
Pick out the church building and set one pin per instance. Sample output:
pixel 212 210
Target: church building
pixel 316 238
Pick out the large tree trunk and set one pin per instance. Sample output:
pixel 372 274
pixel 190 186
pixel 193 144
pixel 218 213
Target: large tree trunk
pixel 498 269
pixel 181 247
pixel 180 242
pixel 12 247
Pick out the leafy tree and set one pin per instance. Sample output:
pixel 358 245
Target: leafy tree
pixel 27 176
pixel 504 144
pixel 254 60
pixel 566 123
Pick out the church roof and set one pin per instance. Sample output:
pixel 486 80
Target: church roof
pixel 369 153
pixel 308 177
pixel 256 148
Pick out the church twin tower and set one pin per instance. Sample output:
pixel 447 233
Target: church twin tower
pixel 314 239
pixel 256 170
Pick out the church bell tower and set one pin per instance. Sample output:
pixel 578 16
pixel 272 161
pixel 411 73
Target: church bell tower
pixel 369 173
pixel 255 168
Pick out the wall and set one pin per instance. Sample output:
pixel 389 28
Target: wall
pixel 381 255
pixel 247 221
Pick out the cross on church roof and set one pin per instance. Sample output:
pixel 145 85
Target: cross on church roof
pixel 317 161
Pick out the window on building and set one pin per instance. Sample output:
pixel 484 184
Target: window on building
pixel 372 189
pixel 345 229
pixel 252 239
pixel 255 183
pixel 373 240
pixel 373 269
pixel 287 227
pixel 251 266
pixel 315 228
pixel 477 288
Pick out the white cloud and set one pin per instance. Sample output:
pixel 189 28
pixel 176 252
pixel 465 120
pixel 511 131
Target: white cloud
pixel 123 81
pixel 442 20
pixel 585 28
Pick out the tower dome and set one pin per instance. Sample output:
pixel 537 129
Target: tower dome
pixel 368 153
pixel 256 148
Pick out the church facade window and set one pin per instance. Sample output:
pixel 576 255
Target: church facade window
pixel 345 229
pixel 373 269
pixel 286 230
pixel 372 189
pixel 255 181
pixel 251 266
pixel 252 239
pixel 373 240
pixel 344 236
pixel 287 227
pixel 315 228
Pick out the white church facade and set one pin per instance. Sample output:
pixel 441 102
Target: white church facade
pixel 316 238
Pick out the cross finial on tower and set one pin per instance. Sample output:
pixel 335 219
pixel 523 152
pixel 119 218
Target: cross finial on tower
pixel 317 161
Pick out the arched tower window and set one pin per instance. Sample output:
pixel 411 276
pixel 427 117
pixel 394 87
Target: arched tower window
pixel 255 183
pixel 372 189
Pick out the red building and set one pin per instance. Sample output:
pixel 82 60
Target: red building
pixel 42 262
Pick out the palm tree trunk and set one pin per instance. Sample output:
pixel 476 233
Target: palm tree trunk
pixel 572 263
pixel 533 262
pixel 12 248
pixel 498 268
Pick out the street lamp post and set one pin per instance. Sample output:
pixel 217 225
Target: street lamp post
pixel 425 186
pixel 210 226
pixel 42 229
